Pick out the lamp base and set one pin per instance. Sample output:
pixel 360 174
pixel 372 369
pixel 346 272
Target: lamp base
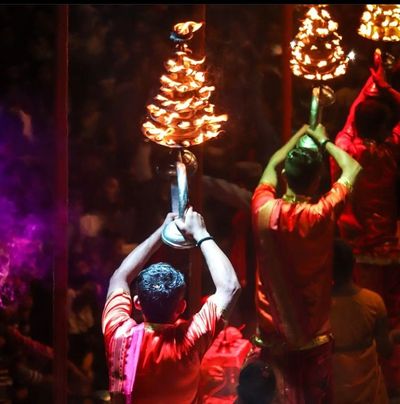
pixel 307 142
pixel 174 238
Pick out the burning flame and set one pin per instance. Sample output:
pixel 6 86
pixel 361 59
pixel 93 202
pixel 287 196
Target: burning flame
pixel 188 27
pixel 316 50
pixel 381 22
pixel 181 114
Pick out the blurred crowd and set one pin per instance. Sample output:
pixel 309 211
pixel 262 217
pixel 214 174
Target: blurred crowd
pixel 118 187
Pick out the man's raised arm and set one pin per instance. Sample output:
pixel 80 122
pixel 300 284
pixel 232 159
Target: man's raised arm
pixel 221 270
pixel 270 175
pixel 349 166
pixel 136 260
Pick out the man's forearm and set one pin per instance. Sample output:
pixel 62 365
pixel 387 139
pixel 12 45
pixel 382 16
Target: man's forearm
pixel 223 275
pixel 280 155
pixel 269 175
pixel 221 269
pixel 135 261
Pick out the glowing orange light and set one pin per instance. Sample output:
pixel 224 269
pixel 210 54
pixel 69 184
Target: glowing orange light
pixel 316 50
pixel 381 22
pixel 181 114
pixel 188 27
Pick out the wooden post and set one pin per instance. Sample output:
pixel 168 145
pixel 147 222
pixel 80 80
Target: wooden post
pixel 287 108
pixel 196 189
pixel 60 277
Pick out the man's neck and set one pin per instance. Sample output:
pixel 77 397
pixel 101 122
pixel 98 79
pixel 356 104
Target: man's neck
pixel 291 196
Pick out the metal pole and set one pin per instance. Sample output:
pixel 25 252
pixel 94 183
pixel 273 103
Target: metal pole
pixel 196 189
pixel 60 277
pixel 287 108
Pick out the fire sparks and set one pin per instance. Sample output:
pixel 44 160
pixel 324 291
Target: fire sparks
pixel 351 55
pixel 316 50
pixel 182 115
pixel 381 22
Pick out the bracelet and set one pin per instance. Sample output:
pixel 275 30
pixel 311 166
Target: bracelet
pixel 198 244
pixel 324 143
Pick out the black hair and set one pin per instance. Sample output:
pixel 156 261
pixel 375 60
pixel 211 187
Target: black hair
pixel 343 262
pixel 160 287
pixel 302 167
pixel 257 384
pixel 374 114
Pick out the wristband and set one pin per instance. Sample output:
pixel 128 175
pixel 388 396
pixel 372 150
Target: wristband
pixel 324 143
pixel 198 244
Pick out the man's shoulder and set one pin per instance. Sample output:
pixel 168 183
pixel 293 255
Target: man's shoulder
pixel 371 301
pixel 265 186
pixel 263 194
pixel 117 311
pixel 370 296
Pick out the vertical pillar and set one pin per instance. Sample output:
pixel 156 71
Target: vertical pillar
pixel 60 276
pixel 196 189
pixel 287 108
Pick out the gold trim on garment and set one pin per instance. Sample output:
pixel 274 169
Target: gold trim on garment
pixel 346 183
pixel 317 341
pixel 296 198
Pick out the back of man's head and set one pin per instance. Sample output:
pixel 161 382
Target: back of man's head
pixel 343 262
pixel 302 168
pixel 375 118
pixel 160 288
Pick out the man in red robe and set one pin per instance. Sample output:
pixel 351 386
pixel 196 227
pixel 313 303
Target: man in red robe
pixel 372 136
pixel 369 221
pixel 294 242
pixel 158 361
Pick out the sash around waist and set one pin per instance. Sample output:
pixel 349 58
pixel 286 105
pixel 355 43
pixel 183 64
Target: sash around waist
pixel 319 340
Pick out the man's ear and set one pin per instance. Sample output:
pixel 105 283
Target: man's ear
pixel 181 306
pixel 136 303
